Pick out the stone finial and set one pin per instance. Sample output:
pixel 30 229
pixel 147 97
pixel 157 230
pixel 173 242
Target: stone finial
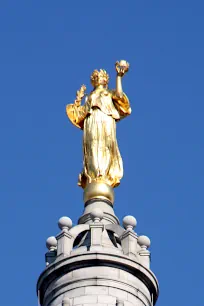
pixel 64 238
pixel 129 237
pixel 65 223
pixel 96 215
pixel 66 301
pixel 144 242
pixel 129 223
pixel 51 243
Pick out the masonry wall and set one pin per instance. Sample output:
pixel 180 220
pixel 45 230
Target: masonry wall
pixel 100 286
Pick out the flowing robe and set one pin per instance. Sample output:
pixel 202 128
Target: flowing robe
pixel 102 161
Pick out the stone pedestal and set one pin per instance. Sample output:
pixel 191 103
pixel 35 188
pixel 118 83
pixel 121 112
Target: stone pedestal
pixel 105 205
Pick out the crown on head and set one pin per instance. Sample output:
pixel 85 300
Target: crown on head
pixel 99 73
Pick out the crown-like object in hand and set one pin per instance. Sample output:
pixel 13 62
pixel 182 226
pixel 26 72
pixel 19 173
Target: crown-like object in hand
pixel 122 67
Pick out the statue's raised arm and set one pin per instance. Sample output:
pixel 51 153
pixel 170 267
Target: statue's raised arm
pixel 120 99
pixel 97 117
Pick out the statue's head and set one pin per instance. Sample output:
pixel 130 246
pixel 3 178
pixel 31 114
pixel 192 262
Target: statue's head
pixel 99 77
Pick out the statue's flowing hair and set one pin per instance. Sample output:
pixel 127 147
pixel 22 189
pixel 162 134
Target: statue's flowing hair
pixel 101 73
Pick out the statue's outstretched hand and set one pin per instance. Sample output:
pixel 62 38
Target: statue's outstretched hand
pixel 122 68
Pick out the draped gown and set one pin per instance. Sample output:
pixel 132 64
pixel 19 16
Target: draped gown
pixel 102 161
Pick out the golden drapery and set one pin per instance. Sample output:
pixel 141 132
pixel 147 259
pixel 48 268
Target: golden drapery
pixel 102 161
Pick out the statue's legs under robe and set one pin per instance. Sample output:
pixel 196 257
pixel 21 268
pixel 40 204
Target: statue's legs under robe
pixel 102 159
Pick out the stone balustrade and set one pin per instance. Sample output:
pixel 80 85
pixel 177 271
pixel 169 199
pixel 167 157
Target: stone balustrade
pixel 97 236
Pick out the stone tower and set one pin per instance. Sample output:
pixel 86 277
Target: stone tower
pixel 97 262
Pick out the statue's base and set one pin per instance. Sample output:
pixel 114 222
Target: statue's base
pixel 98 195
pixel 98 190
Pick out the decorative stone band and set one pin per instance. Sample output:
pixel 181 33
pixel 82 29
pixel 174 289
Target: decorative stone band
pixel 113 271
pixel 95 200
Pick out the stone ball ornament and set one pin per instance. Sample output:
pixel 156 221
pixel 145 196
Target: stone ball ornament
pixel 65 223
pixel 129 222
pixel 51 243
pixel 144 241
pixel 97 214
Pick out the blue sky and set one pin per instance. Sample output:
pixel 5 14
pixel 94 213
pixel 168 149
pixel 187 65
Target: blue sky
pixel 48 49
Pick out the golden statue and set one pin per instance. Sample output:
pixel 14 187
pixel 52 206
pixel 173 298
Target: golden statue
pixel 97 118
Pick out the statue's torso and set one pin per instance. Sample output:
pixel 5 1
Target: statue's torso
pixel 102 99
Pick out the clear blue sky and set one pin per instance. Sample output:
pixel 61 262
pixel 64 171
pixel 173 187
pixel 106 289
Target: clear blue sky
pixel 47 50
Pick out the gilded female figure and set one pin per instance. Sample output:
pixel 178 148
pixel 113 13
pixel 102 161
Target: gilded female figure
pixel 103 107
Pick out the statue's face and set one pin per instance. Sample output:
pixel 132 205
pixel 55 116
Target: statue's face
pixel 99 80
pixel 99 77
